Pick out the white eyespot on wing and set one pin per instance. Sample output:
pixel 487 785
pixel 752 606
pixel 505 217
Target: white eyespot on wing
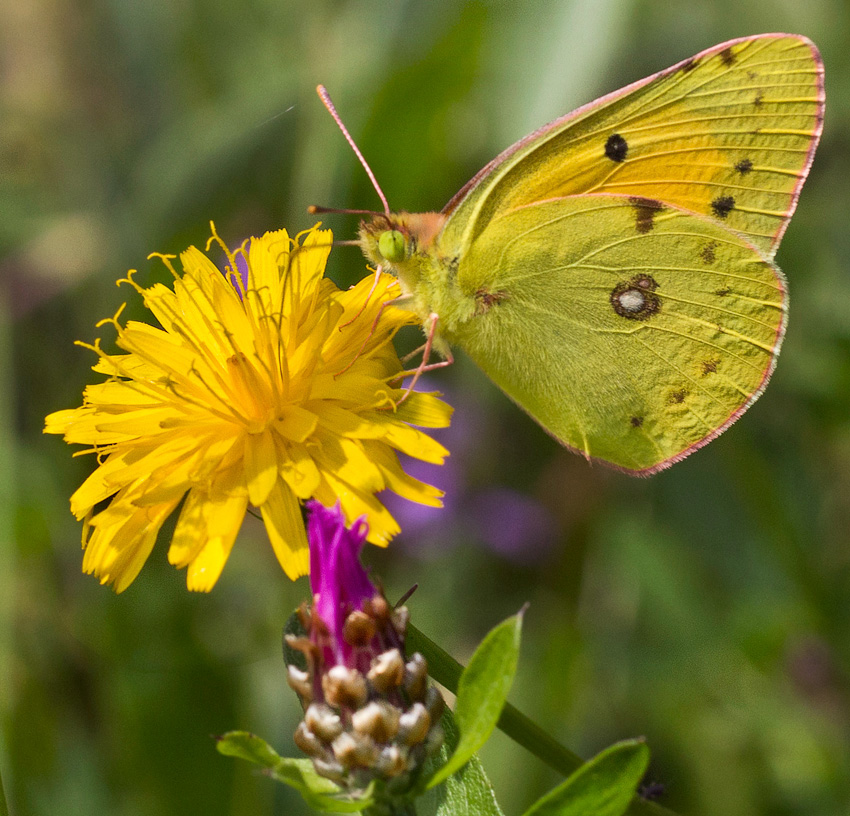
pixel 632 300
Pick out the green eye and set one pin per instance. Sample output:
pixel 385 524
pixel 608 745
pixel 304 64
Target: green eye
pixel 392 246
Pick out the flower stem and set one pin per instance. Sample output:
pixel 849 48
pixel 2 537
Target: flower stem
pixel 446 670
pixel 4 808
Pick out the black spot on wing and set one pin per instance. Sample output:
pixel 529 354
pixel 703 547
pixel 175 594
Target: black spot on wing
pixel 636 421
pixel 616 148
pixel 645 209
pixel 727 57
pixel 758 101
pixel 709 367
pixel 744 166
pixel 709 252
pixel 723 292
pixel 677 397
pixel 722 206
pixel 690 65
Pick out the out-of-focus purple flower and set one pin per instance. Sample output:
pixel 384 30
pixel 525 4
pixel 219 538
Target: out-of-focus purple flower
pixel 339 581
pixel 512 524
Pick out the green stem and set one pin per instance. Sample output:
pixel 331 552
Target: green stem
pixel 447 671
pixel 7 514
pixel 4 808
pixel 394 809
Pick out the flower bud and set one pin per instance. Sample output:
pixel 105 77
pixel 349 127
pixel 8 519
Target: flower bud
pixel 377 719
pixel 344 688
pixel 299 682
pixel 323 721
pixel 387 671
pixel 414 724
pixel 369 711
pixel 354 750
pixel 416 677
pixel 392 762
pixel 308 742
pixel 359 629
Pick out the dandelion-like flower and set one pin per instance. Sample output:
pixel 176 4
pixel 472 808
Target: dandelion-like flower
pixel 263 387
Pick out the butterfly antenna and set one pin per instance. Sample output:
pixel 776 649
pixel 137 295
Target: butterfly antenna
pixel 313 209
pixel 326 101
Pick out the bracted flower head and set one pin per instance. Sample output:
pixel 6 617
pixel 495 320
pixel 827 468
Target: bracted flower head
pixel 265 388
pixel 369 712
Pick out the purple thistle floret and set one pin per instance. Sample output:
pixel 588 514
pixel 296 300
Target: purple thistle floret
pixel 339 582
pixel 369 711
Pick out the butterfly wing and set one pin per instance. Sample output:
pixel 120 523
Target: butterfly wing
pixel 729 134
pixel 634 332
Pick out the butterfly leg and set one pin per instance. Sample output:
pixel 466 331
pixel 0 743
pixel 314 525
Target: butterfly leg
pixel 433 319
pixel 400 301
pixel 412 354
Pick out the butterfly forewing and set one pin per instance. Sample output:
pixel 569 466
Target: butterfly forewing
pixel 633 332
pixel 728 134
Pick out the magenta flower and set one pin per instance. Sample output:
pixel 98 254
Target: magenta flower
pixel 369 711
pixel 339 581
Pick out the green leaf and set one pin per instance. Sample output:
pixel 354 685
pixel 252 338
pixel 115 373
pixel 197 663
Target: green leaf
pixel 246 745
pixel 482 691
pixel 467 792
pixel 318 792
pixel 604 786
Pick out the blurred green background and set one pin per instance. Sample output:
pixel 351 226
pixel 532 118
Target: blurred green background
pixel 706 608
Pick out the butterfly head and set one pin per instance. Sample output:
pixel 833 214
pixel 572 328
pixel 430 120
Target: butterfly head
pixel 394 240
pixel 385 240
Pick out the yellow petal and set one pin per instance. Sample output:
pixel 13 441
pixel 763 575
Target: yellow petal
pixel 296 424
pixel 59 421
pixel 346 460
pixel 222 522
pixel 348 387
pixel 347 423
pixel 190 532
pixel 425 410
pixel 115 553
pixel 299 470
pixel 400 482
pixel 260 466
pixel 285 526
pixel 411 441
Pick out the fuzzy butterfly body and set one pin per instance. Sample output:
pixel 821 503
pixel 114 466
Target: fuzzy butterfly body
pixel 612 272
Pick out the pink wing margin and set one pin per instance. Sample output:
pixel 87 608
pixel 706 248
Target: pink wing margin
pixel 611 97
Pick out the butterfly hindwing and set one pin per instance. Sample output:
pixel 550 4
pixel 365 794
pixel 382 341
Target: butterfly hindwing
pixel 728 134
pixel 633 331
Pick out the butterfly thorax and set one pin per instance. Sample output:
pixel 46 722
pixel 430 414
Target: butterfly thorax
pixel 408 246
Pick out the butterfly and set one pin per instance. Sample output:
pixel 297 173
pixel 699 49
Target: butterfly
pixel 613 271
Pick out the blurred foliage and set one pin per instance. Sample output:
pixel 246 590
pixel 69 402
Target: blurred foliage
pixel 707 608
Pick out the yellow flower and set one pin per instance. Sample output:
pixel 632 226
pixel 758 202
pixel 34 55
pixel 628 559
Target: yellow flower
pixel 265 392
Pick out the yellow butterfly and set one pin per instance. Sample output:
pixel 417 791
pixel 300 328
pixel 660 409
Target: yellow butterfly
pixel 613 271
